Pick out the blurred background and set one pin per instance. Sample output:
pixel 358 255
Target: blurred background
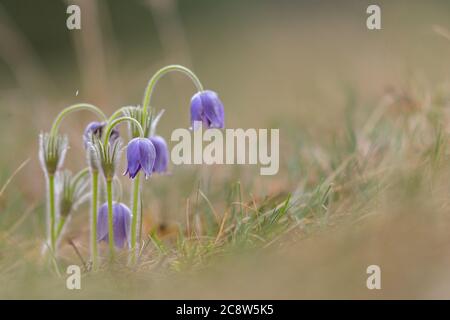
pixel 283 64
pixel 292 65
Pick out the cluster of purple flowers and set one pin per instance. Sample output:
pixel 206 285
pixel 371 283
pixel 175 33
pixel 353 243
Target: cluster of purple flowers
pixel 151 155
pixel 146 152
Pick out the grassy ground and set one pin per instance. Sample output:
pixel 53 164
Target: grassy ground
pixel 376 194
pixel 364 175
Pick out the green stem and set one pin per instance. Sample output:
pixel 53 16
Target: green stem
pixel 94 204
pixel 152 83
pixel 76 180
pixel 51 199
pixel 114 123
pixel 110 220
pixel 61 223
pixel 136 189
pixel 75 107
pixel 139 239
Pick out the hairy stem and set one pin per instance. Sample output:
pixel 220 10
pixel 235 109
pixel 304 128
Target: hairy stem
pixel 114 123
pixel 154 80
pixel 117 113
pixel 51 200
pixel 62 222
pixel 75 107
pixel 136 194
pixel 94 204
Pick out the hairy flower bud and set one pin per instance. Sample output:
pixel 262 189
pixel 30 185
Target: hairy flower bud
pixel 71 191
pixel 52 150
pixel 107 157
pixel 136 113
pixel 94 130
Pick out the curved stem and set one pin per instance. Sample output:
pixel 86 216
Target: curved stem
pixel 94 204
pixel 75 107
pixel 110 220
pixel 111 126
pixel 51 199
pixel 152 83
pixel 117 113
pixel 136 194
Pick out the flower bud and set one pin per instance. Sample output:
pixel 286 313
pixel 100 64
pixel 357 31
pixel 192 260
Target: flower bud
pixel 94 130
pixel 136 113
pixel 71 191
pixel 106 157
pixel 52 150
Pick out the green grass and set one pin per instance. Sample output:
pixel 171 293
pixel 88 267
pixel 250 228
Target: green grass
pixel 390 165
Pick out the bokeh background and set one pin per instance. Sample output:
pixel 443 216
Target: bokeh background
pixel 292 65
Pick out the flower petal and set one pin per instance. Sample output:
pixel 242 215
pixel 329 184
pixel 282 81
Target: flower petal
pixel 127 223
pixel 213 109
pixel 133 157
pixel 162 154
pixel 197 112
pixel 147 156
pixel 121 222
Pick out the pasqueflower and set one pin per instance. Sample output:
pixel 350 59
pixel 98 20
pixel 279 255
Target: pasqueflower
pixel 141 154
pixel 121 224
pixel 207 109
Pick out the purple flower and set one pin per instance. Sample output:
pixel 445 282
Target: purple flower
pixel 96 129
pixel 121 224
pixel 207 108
pixel 162 154
pixel 141 154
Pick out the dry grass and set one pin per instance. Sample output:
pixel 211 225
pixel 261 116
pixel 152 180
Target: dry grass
pixel 364 175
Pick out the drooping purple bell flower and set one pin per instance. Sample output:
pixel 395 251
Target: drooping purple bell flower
pixel 162 154
pixel 121 224
pixel 95 128
pixel 141 154
pixel 206 108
